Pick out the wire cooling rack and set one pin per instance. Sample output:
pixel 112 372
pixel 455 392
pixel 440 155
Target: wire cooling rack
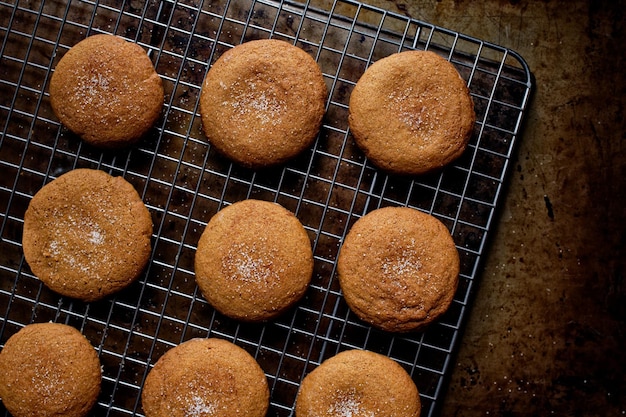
pixel 184 182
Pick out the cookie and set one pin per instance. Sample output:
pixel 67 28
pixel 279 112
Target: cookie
pixel 411 113
pixel 49 369
pixel 398 269
pixel 87 234
pixel 106 90
pixel 358 383
pixel 262 102
pixel 206 377
pixel 254 260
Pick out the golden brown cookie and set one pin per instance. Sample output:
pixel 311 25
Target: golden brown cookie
pixel 106 90
pixel 411 113
pixel 358 383
pixel 254 260
pixel 398 269
pixel 262 102
pixel 87 234
pixel 49 369
pixel 206 377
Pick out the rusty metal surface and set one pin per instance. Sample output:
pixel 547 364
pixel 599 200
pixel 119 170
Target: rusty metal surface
pixel 547 329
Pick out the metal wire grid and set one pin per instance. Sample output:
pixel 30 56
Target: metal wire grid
pixel 184 182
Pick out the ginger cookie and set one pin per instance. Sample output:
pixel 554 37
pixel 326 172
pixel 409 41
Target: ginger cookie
pixel 206 377
pixel 398 269
pixel 262 102
pixel 411 113
pixel 49 369
pixel 87 234
pixel 106 90
pixel 358 383
pixel 254 260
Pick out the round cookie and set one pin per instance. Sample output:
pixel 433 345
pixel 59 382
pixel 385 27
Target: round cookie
pixel 106 90
pixel 398 269
pixel 206 377
pixel 87 234
pixel 49 369
pixel 254 260
pixel 411 113
pixel 262 102
pixel 358 383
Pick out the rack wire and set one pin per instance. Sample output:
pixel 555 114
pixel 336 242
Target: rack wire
pixel 184 182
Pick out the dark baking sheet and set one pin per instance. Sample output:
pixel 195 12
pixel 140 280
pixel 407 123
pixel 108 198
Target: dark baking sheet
pixel 184 182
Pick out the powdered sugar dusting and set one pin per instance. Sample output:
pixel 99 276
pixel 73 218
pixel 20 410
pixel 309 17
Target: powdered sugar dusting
pixel 349 406
pixel 83 231
pixel 105 91
pixel 93 88
pixel 96 236
pixel 252 268
pixel 78 240
pixel 404 269
pixel 416 112
pixel 260 103
pixel 53 249
pixel 47 381
pixel 406 261
pixel 199 407
pixel 247 263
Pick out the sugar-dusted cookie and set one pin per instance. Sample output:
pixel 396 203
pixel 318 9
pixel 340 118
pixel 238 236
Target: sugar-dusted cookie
pixel 254 260
pixel 206 377
pixel 358 383
pixel 398 269
pixel 49 369
pixel 262 102
pixel 87 234
pixel 411 113
pixel 106 90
